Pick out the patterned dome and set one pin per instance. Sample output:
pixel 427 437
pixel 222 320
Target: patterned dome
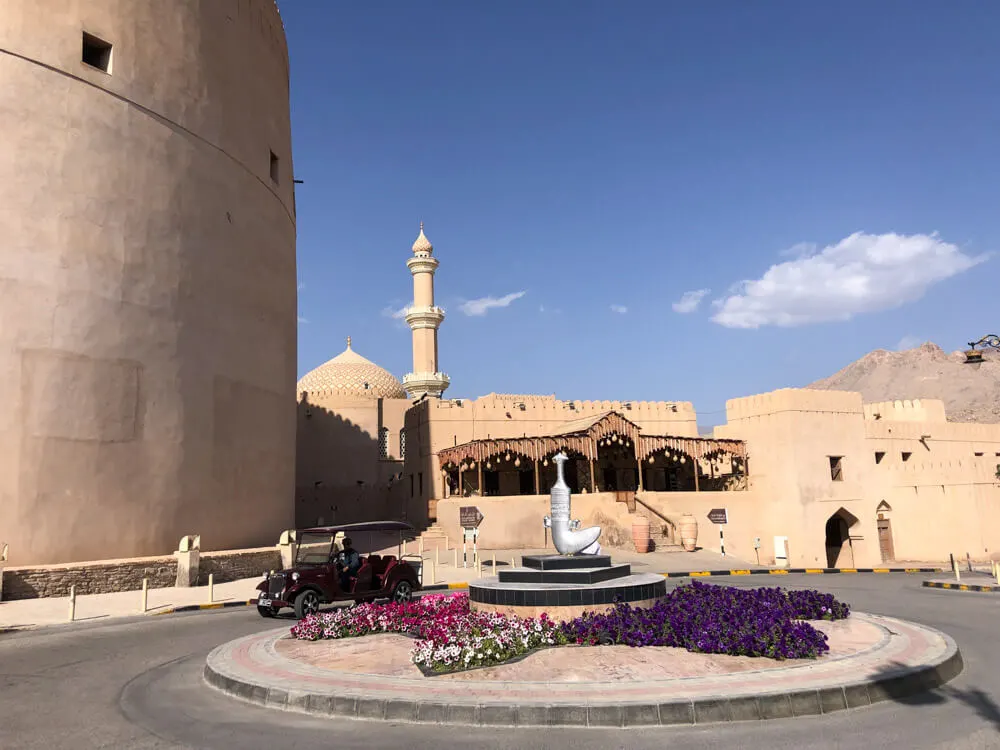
pixel 350 373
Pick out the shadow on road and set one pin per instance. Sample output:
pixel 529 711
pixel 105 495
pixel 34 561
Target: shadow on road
pixel 975 698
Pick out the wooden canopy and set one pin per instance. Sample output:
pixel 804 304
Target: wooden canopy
pixel 582 436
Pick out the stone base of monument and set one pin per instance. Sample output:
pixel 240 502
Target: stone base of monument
pixel 564 587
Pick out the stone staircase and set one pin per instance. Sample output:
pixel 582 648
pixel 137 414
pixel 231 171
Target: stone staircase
pixel 661 529
pixel 434 536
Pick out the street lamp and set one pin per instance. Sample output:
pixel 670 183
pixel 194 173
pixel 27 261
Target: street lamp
pixel 974 356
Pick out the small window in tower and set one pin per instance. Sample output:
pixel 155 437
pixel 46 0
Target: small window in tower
pixel 274 168
pixel 402 442
pixel 905 455
pixel 383 442
pixel 96 52
pixel 978 454
pixel 879 455
pixel 836 468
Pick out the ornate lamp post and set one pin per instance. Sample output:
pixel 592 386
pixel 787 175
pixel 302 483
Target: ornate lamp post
pixel 974 356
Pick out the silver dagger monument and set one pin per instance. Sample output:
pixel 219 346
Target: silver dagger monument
pixel 567 536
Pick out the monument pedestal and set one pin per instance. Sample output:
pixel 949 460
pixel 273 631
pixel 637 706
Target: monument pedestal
pixel 564 587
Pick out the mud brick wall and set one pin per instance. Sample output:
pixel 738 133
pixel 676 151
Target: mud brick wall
pixel 100 577
pixel 232 565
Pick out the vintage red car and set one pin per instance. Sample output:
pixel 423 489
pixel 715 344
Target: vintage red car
pixel 316 576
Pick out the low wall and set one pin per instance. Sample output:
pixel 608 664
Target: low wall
pixel 100 577
pixel 233 565
pixel 109 576
pixel 515 522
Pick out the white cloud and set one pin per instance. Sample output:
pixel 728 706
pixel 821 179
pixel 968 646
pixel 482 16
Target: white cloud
pixel 396 313
pixel 477 307
pixel 908 342
pixel 621 309
pixel 689 301
pixel 541 308
pixel 862 273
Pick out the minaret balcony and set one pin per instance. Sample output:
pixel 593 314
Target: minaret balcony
pixel 431 383
pixel 422 264
pixel 427 316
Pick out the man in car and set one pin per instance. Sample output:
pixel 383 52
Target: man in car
pixel 350 564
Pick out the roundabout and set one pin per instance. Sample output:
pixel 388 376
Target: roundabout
pixel 871 659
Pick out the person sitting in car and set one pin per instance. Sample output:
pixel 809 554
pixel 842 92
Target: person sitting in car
pixel 350 564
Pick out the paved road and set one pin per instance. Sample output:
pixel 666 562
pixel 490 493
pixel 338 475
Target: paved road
pixel 137 684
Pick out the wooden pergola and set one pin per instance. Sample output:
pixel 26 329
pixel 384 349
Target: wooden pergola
pixel 583 437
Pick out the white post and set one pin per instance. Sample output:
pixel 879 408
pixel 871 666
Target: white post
pixel 493 570
pixel 445 542
pixel 404 549
pixel 513 561
pixel 211 587
pixel 437 555
pixel 479 568
pixel 996 572
pixel 145 595
pixel 72 603
pixel 456 556
pixel 433 568
pixel 465 555
pixel 958 575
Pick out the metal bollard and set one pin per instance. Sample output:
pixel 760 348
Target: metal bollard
pixel 958 574
pixel 145 595
pixel 513 561
pixel 493 570
pixel 446 543
pixel 72 603
pixel 404 549
pixel 996 572
pixel 433 567
pixel 968 560
pixel 211 587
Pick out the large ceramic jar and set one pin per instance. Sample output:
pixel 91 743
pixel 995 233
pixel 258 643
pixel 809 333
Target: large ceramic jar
pixel 640 533
pixel 688 528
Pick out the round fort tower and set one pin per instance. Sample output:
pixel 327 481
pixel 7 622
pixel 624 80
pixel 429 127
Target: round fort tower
pixel 147 277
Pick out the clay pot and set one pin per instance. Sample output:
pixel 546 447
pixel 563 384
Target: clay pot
pixel 688 529
pixel 640 533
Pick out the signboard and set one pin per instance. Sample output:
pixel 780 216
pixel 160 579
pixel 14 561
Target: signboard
pixel 718 515
pixel 470 517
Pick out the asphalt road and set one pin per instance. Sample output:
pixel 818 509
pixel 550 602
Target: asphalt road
pixel 137 684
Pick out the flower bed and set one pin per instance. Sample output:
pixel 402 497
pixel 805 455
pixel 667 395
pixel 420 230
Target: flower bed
pixel 699 617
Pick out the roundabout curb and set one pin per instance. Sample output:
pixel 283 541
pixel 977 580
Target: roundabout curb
pixel 979 587
pixel 272 687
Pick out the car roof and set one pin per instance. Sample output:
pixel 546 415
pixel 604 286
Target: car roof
pixel 363 526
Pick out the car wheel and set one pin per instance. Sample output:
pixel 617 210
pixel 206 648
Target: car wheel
pixel 306 603
pixel 403 592
pixel 268 611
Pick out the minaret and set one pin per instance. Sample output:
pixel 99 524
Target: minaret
pixel 424 319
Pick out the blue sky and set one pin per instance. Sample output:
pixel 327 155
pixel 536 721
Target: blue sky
pixel 590 163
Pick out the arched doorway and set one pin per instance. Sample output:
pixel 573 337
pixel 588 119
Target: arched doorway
pixel 838 539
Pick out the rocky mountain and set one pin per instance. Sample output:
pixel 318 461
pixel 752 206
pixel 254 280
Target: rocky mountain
pixel 971 393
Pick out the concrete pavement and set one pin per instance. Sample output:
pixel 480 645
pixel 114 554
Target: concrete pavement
pixel 137 684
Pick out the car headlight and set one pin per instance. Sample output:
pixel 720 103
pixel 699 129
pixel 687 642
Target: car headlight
pixel 295 576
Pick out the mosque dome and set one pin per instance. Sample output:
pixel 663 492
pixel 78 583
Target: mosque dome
pixel 351 374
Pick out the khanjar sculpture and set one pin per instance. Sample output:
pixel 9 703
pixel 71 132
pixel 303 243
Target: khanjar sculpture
pixel 567 536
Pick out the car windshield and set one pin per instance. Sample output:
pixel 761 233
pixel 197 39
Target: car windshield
pixel 314 549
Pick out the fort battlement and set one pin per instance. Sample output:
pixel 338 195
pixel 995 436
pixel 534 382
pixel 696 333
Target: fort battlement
pixel 955 472
pixel 793 400
pixel 970 432
pixel 917 410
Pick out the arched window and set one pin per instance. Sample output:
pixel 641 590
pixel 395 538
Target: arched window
pixel 383 442
pixel 402 442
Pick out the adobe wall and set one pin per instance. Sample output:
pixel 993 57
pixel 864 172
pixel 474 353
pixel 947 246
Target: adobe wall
pixel 340 475
pixel 147 283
